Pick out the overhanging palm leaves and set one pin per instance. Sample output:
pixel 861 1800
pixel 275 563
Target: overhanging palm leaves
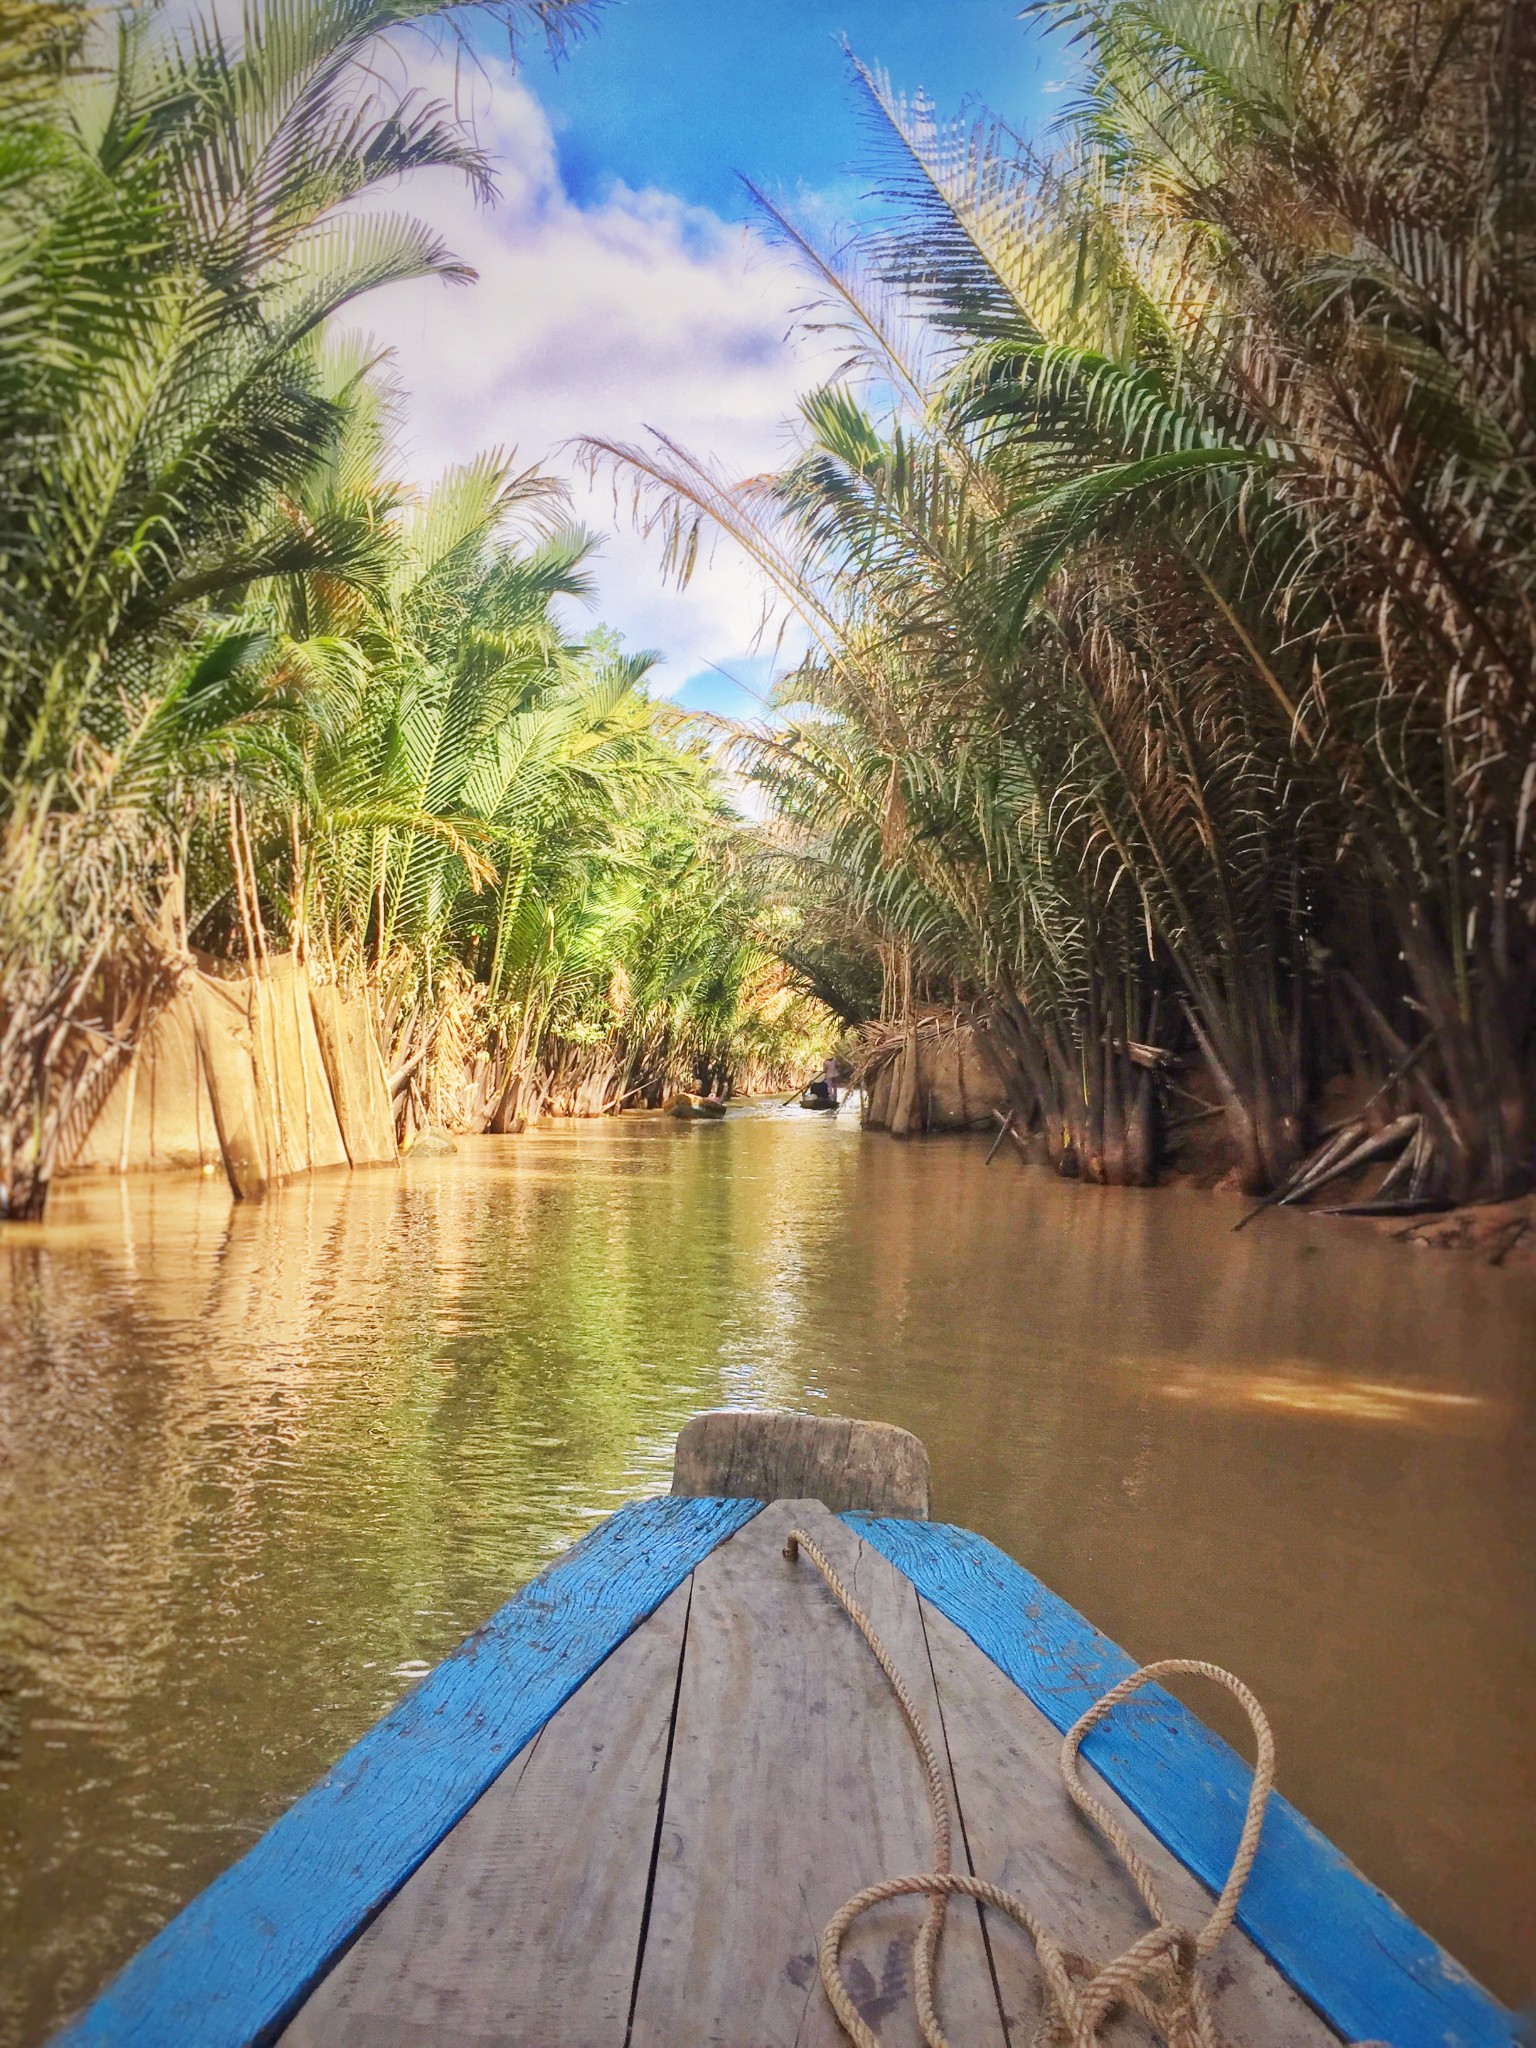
pixel 1172 573
pixel 178 217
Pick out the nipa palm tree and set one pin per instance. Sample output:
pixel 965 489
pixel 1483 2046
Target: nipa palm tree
pixel 180 218
pixel 1175 687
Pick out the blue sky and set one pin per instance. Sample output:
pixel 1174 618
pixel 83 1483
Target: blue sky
pixel 622 286
pixel 685 94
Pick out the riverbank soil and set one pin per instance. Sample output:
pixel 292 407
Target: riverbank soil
pixel 1200 1155
pixel 1495 1233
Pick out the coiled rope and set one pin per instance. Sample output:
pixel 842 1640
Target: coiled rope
pixel 1157 1977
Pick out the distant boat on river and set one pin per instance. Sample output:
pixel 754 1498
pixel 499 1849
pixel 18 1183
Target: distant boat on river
pixel 693 1107
pixel 625 1810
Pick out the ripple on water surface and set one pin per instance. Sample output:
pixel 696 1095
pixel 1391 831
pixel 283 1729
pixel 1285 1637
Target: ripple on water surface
pixel 264 1465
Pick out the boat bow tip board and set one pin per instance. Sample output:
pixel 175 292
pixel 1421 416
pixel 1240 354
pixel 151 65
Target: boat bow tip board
pixel 773 1454
pixel 341 1874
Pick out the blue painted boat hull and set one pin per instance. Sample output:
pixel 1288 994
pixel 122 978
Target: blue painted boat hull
pixel 239 1960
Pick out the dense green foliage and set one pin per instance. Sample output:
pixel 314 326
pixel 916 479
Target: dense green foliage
pixel 254 693
pixel 1168 544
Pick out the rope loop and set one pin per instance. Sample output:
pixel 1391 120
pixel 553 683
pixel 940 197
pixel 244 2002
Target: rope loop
pixel 1158 1977
pixel 1258 1796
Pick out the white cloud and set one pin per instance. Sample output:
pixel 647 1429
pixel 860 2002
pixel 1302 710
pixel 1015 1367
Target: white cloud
pixel 640 311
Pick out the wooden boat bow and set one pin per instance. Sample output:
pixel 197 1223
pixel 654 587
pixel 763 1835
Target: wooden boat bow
pixel 622 1813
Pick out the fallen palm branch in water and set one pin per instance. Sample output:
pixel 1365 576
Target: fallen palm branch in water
pixel 1349 1150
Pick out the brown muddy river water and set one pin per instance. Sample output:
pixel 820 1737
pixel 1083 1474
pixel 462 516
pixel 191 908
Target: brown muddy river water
pixel 264 1465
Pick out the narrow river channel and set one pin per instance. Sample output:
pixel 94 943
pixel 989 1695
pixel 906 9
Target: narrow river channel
pixel 263 1465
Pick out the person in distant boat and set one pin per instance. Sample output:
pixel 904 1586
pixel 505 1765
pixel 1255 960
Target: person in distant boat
pixel 824 1087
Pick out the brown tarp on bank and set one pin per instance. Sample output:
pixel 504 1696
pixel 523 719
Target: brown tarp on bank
pixel 291 1083
pixel 359 1086
pixel 227 1040
pixel 159 1114
pixel 236 1071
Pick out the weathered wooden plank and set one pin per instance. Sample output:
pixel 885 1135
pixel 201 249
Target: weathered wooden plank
pixel 772 1454
pixel 238 1961
pixel 1361 1962
pixel 1024 1833
pixel 523 1925
pixel 793 1784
